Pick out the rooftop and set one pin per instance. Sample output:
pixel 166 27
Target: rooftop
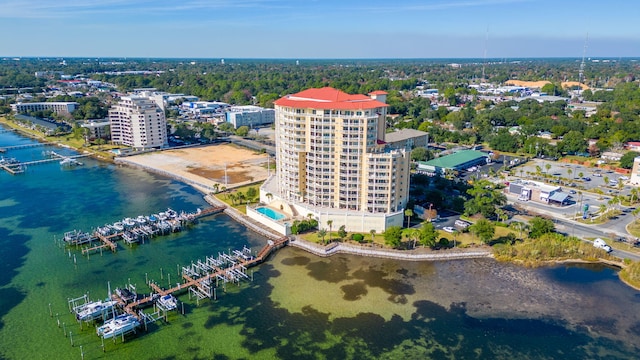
pixel 403 134
pixel 455 159
pixel 328 98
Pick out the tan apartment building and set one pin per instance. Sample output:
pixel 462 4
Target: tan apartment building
pixel 138 122
pixel 333 163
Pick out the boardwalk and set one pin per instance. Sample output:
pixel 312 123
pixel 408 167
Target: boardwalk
pixel 24 146
pixel 107 243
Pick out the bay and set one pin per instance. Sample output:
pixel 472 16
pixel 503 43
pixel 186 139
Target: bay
pixel 298 306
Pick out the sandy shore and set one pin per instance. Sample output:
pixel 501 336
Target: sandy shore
pixel 205 167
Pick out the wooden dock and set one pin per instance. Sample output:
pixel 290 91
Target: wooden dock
pixel 189 281
pixel 107 243
pixel 210 211
pixel 24 146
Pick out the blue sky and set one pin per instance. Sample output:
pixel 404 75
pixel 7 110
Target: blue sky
pixel 319 28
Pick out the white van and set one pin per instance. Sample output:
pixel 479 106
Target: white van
pixel 600 244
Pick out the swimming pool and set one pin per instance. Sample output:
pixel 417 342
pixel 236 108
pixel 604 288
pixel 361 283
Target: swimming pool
pixel 275 215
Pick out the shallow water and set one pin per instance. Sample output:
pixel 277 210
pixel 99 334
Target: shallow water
pixel 298 306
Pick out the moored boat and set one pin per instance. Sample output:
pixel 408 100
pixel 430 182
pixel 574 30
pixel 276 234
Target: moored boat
pixel 168 302
pixel 94 310
pixel 119 325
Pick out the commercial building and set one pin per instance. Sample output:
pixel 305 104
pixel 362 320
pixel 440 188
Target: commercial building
pixel 250 116
pixel 333 163
pixel 138 122
pixel 61 108
pixel 461 160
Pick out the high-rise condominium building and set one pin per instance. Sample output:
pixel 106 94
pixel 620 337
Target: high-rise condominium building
pixel 332 161
pixel 138 122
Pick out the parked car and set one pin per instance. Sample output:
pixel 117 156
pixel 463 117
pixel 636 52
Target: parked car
pixel 597 174
pixel 572 192
pixel 448 229
pixel 586 178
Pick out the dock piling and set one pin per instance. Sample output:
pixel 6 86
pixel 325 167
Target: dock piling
pixel 50 312
pixel 71 337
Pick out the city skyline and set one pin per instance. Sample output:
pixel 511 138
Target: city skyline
pixel 319 29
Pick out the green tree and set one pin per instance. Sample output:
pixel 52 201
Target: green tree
pixel 373 235
pixel 408 213
pixel 539 226
pixel 485 198
pixel 626 161
pixel 330 225
pixel 242 131
pixel 484 230
pixel 421 154
pixel 251 193
pixel 393 236
pixel 573 142
pixel 342 233
pixel 428 234
pixel 322 233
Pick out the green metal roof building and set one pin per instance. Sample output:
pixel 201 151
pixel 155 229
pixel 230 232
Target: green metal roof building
pixel 460 160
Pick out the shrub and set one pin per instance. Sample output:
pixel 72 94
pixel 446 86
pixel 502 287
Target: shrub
pixel 357 237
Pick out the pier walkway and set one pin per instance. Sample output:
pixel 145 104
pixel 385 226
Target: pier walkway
pixel 202 282
pixel 16 147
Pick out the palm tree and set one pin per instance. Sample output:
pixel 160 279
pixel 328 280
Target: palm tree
pixel 269 196
pixel 521 171
pixel 603 209
pixel 329 224
pixel 538 170
pixel 373 235
pixel 519 227
pixel 634 195
pixel 569 171
pixel 322 233
pixel 499 214
pixel 455 236
pixel 548 167
pixel 408 213
pixel 606 180
pixel 580 175
pixel 635 213
pixel 413 235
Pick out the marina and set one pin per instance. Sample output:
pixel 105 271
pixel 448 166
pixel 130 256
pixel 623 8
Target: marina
pixel 134 230
pixel 200 279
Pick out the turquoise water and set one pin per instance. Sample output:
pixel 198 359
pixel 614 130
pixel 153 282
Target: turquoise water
pixel 298 306
pixel 275 215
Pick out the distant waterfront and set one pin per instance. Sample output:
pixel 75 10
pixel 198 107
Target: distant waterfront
pixel 298 306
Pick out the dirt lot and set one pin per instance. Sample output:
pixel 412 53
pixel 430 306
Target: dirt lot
pixel 206 165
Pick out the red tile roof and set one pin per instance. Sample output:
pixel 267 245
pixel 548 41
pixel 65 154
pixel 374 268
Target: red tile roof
pixel 379 92
pixel 328 98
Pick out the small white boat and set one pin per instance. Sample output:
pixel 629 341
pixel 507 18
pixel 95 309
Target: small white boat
pixel 168 302
pixel 119 325
pixel 118 226
pixel 94 310
pixel 141 220
pixel 129 222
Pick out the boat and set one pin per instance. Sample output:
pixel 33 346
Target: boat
pixel 168 302
pixel 153 218
pixel 171 214
pixel 129 222
pixel 119 325
pixel 118 226
pixel 77 237
pixel 105 230
pixel 125 294
pixel 141 220
pixel 129 237
pixel 94 310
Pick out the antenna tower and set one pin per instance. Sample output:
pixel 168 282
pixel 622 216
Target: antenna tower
pixel 584 53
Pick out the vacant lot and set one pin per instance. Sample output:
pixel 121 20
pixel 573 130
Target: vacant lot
pixel 226 165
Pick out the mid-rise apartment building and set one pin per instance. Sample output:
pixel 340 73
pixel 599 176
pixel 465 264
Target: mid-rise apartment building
pixel 250 115
pixel 332 161
pixel 138 122
pixel 59 107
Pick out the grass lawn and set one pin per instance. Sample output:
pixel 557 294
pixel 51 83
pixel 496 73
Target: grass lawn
pixel 242 207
